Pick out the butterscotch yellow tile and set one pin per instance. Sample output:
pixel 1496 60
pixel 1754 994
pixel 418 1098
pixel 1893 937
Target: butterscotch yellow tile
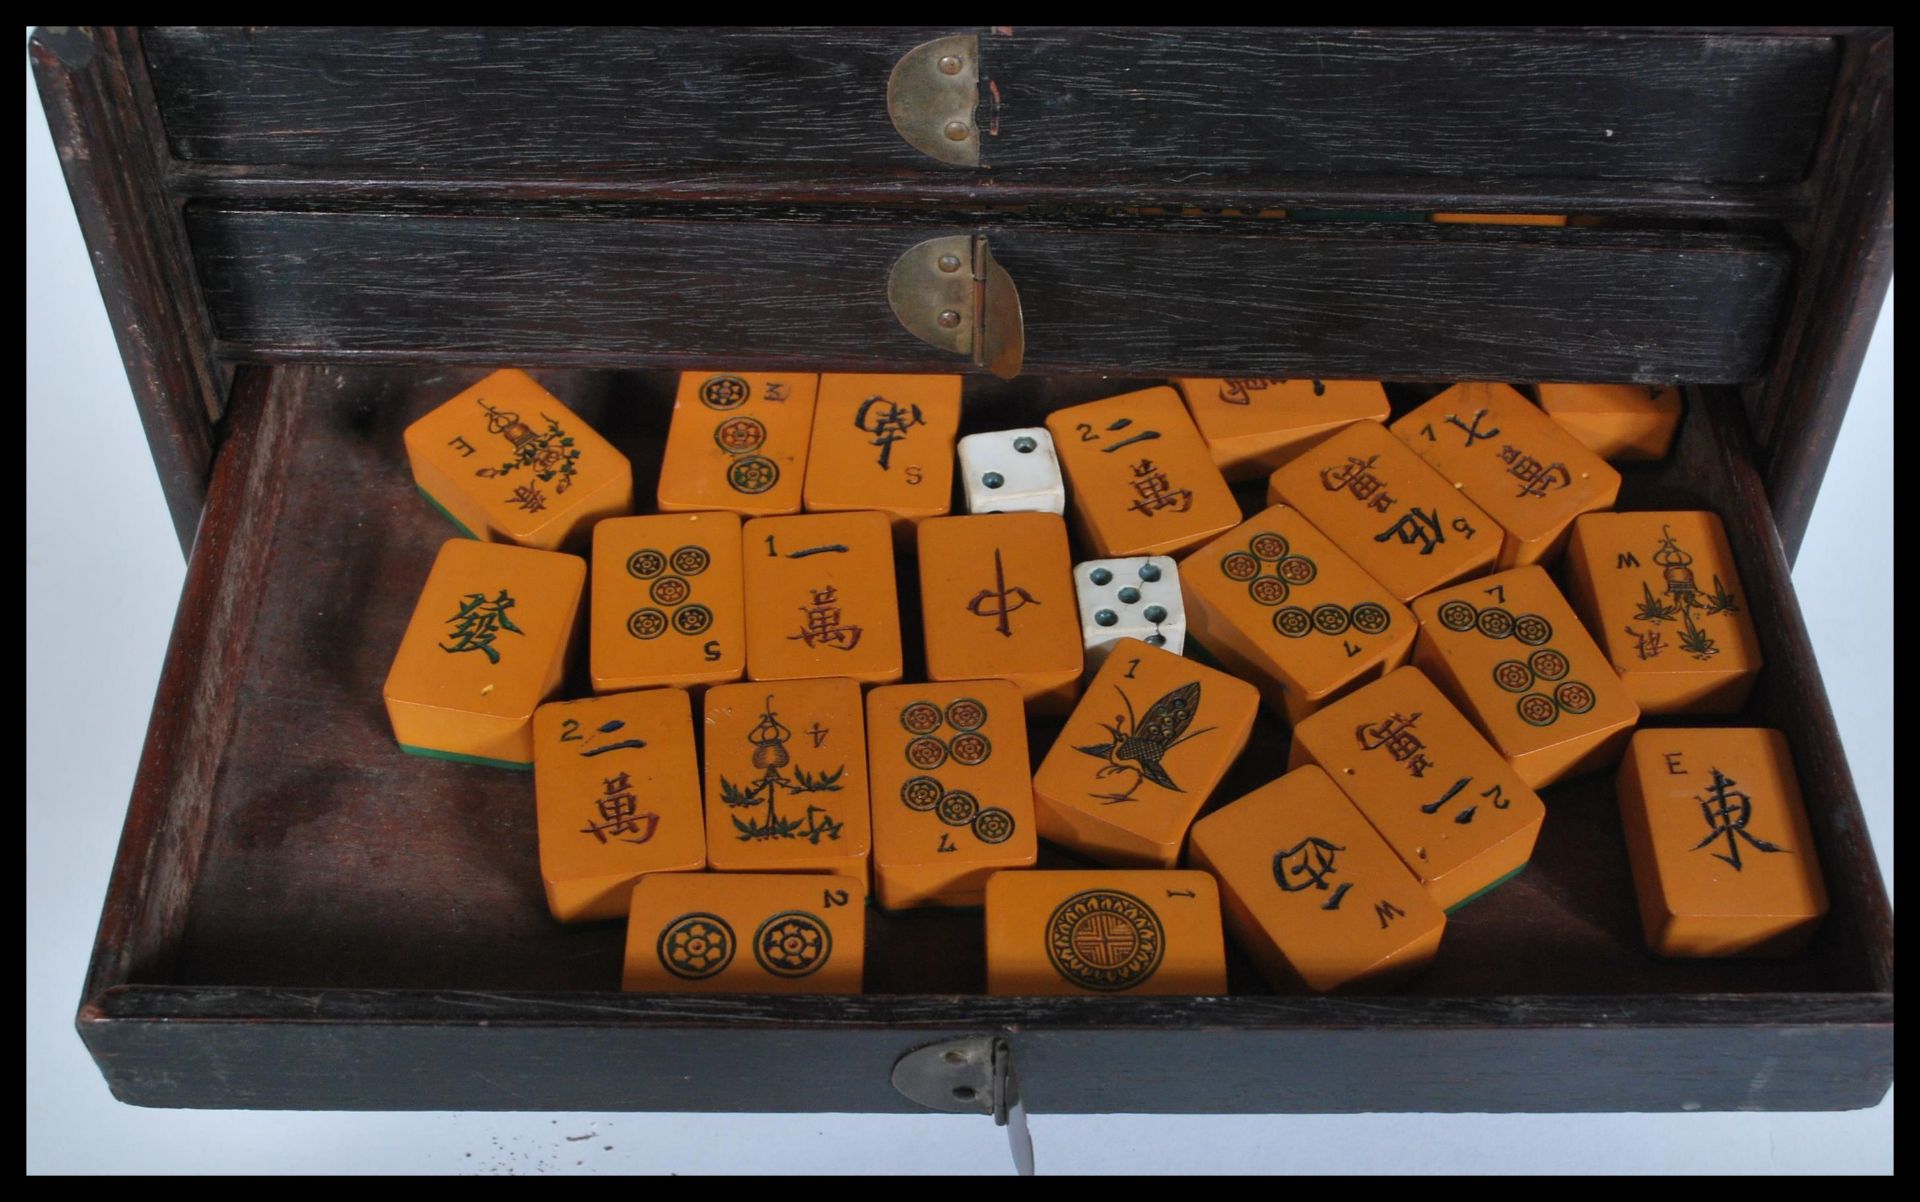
pixel 1616 421
pixel 1451 808
pixel 617 793
pixel 1311 890
pixel 1140 478
pixel 1151 737
pixel 1513 461
pixel 1661 591
pixel 752 932
pixel 885 443
pixel 1104 931
pixel 1253 424
pixel 952 798
pixel 738 442
pixel 1279 605
pixel 786 780
pixel 1508 651
pixel 487 643
pixel 997 600
pixel 1400 520
pixel 507 462
pixel 1723 855
pixel 667 603
pixel 821 598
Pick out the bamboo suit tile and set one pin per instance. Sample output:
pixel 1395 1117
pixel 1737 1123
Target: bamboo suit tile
pixel 1104 932
pixel 667 602
pixel 738 442
pixel 1141 479
pixel 786 779
pixel 997 600
pixel 751 932
pixel 821 598
pixel 1253 425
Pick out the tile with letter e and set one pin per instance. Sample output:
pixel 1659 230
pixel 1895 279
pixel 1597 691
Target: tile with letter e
pixel 487 643
pixel 1151 737
pixel 1311 890
pixel 1661 593
pixel 1513 461
pixel 997 600
pixel 1442 797
pixel 952 794
pixel 1104 931
pixel 746 932
pixel 820 597
pixel 667 606
pixel 1396 517
pixel 738 442
pixel 1616 421
pixel 786 779
pixel 1723 855
pixel 1141 477
pixel 1253 425
pixel 1280 605
pixel 884 443
pixel 1508 651
pixel 617 793
pixel 505 461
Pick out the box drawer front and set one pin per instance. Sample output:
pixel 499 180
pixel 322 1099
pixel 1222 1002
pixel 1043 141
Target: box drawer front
pixel 1138 103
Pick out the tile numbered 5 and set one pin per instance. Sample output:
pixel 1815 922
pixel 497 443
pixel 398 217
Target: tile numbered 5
pixel 738 442
pixel 749 932
pixel 1104 931
pixel 667 602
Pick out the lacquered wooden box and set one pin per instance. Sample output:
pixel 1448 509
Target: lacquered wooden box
pixel 307 237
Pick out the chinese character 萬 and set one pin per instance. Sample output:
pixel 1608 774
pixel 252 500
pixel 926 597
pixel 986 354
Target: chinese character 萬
pixel 823 626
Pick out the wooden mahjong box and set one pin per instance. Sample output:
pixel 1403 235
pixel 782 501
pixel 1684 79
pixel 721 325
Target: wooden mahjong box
pixel 308 238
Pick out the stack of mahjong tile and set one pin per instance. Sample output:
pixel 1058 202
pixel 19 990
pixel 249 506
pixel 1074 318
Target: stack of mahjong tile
pixel 754 768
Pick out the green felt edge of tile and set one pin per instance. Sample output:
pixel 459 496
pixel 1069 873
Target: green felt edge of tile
pixel 1470 898
pixel 484 762
pixel 457 525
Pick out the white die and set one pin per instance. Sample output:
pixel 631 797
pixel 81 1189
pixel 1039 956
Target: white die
pixel 1009 471
pixel 1136 598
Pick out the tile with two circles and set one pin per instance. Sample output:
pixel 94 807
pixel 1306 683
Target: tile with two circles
pixel 666 601
pixel 820 597
pixel 997 600
pixel 746 932
pixel 1104 931
pixel 738 441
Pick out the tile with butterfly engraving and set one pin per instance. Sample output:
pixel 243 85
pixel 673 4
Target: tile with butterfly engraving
pixel 738 441
pixel 487 643
pixel 1104 931
pixel 997 600
pixel 746 932
pixel 667 607
pixel 1508 651
pixel 1139 476
pixel 1451 808
pixel 1152 735
pixel 885 443
pixel 1312 892
pixel 617 794
pixel 952 794
pixel 1616 421
pixel 786 777
pixel 1253 425
pixel 506 461
pixel 821 598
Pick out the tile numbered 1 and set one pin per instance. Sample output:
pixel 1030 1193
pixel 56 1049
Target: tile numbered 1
pixel 1011 471
pixel 1661 591
pixel 1311 890
pixel 1722 852
pixel 1513 461
pixel 952 794
pixel 997 600
pixel 738 442
pixel 1508 651
pixel 505 461
pixel 1136 598
pixel 821 598
pixel 617 794
pixel 1253 425
pixel 1151 737
pixel 884 443
pixel 1616 421
pixel 786 778
pixel 1280 605
pixel 1396 517
pixel 1452 809
pixel 1143 480
pixel 747 932
pixel 667 604
pixel 488 642
pixel 1104 931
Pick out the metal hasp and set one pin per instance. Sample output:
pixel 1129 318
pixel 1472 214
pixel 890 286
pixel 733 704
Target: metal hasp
pixel 932 95
pixel 969 1076
pixel 951 293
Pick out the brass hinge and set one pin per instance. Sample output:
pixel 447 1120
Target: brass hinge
pixel 932 95
pixel 970 1076
pixel 951 293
